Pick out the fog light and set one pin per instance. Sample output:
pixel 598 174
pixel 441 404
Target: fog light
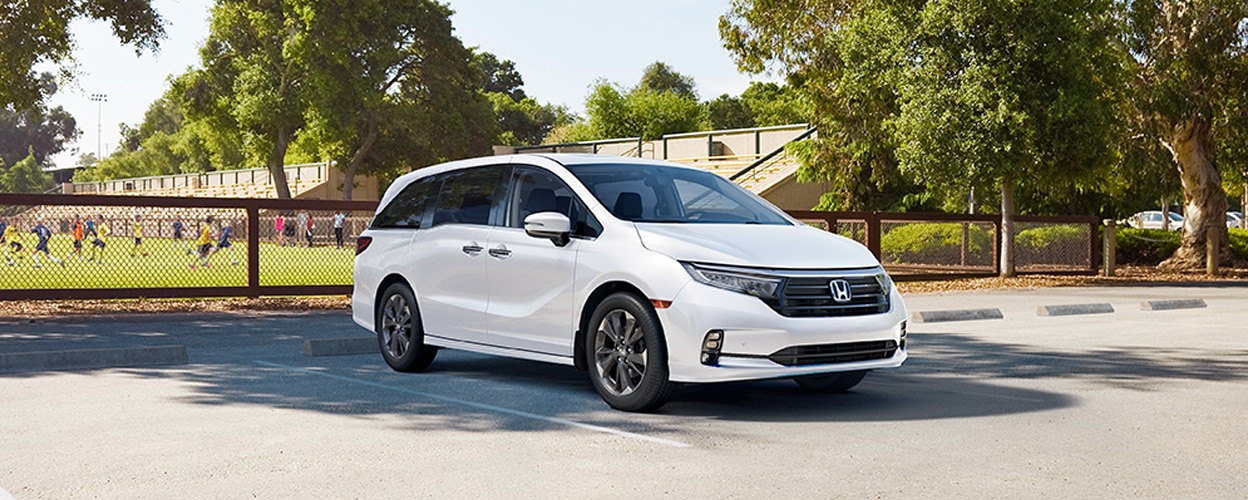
pixel 712 343
pixel 903 335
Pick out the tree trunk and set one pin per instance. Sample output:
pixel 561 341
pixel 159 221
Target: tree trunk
pixel 1007 227
pixel 1204 200
pixel 348 174
pixel 277 163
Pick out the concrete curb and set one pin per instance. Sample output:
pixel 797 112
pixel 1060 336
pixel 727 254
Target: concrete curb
pixel 1073 309
pixel 955 315
pixel 92 358
pixel 1166 305
pixel 340 346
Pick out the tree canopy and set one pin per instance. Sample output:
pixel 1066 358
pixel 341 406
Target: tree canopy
pixel 34 32
pixel 36 129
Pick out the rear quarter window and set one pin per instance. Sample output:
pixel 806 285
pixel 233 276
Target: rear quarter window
pixel 407 209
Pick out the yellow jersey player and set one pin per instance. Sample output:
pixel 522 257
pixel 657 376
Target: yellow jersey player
pixel 204 242
pixel 101 240
pixel 138 236
pixel 11 238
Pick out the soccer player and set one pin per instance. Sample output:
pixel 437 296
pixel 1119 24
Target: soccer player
pixel 78 231
pixel 177 235
pixel 223 241
pixel 101 240
pixel 204 242
pixel 44 234
pixel 338 219
pixel 11 236
pixel 138 236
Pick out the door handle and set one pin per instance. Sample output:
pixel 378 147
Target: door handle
pixel 472 249
pixel 500 252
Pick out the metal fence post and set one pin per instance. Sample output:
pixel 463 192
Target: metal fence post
pixel 1110 246
pixel 253 250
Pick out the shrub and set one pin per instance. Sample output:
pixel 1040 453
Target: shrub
pixel 1051 236
pixel 1145 247
pixel 1148 247
pixel 927 243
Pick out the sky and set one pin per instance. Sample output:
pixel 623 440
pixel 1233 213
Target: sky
pixel 560 47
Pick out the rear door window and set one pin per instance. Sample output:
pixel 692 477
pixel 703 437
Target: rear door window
pixel 468 196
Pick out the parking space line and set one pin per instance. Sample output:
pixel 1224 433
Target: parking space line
pixel 482 406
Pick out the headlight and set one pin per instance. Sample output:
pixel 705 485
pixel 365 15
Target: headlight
pixel 734 279
pixel 886 282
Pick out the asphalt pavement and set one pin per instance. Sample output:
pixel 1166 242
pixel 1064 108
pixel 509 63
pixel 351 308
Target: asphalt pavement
pixel 1130 403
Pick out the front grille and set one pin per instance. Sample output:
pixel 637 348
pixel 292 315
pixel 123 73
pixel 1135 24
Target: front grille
pixel 824 354
pixel 811 297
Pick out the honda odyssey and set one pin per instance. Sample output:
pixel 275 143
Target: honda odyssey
pixel 645 274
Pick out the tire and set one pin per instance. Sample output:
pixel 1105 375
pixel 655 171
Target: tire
pixel 628 355
pixel 831 383
pixel 400 335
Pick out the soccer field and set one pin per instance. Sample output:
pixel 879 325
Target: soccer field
pixel 168 265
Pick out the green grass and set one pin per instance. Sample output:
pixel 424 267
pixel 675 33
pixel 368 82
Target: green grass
pixel 168 266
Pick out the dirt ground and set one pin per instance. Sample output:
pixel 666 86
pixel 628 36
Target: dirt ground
pixel 104 308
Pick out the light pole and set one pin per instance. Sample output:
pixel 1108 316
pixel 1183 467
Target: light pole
pixel 99 100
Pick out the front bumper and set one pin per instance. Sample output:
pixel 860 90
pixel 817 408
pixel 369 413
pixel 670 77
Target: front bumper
pixel 752 332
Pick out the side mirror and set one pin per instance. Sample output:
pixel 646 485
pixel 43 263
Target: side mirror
pixel 550 225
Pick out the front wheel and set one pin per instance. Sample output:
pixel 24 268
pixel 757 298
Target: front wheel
pixel 400 333
pixel 831 382
pixel 628 355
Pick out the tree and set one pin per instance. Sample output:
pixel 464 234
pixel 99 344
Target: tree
pixel 36 129
pixel 167 143
pixel 406 83
pixel 499 76
pixel 773 104
pixel 664 102
pixel 1009 92
pixel 974 95
pixel 846 57
pixel 24 176
pixel 1190 61
pixel 522 120
pixel 38 32
pixel 254 77
pixel 728 112
pixel 661 78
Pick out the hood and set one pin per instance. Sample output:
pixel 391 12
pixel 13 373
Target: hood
pixel 762 246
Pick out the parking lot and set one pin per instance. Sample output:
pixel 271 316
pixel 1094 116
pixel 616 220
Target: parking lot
pixel 1132 403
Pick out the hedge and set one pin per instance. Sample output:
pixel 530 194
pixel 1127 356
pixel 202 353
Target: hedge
pixel 1148 247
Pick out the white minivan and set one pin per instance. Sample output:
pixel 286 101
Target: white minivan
pixel 647 274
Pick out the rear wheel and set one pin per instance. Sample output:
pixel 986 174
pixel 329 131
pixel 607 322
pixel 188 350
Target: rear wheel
pixel 627 354
pixel 831 382
pixel 400 333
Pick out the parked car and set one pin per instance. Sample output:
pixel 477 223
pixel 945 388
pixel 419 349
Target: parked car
pixel 1234 219
pixel 1152 220
pixel 646 274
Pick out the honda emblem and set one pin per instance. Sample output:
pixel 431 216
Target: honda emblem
pixel 841 291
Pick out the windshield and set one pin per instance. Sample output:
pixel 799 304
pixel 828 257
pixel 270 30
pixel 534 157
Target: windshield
pixel 655 193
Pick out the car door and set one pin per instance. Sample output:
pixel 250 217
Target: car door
pixel 531 279
pixel 451 281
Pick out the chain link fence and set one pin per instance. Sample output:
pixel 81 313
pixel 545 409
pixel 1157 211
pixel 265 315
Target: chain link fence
pixel 87 246
pixel 74 246
pixel 920 246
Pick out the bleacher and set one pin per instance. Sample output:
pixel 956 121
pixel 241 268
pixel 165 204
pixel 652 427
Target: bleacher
pixel 249 183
